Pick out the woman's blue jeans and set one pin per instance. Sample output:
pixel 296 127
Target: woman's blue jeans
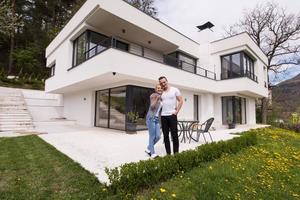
pixel 154 132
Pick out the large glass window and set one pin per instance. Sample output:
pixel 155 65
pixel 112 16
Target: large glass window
pixel 113 104
pixel 237 65
pixel 102 108
pixel 181 60
pixel 248 67
pixel 117 108
pixel 234 110
pixel 139 101
pixel 80 47
pixel 225 67
pixel 88 45
pixel 187 63
pixel 97 43
pixel 122 45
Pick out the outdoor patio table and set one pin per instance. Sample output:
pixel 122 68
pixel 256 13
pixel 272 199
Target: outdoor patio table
pixel 184 129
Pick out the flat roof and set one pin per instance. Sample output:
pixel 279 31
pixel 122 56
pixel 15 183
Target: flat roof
pixel 162 23
pixel 244 32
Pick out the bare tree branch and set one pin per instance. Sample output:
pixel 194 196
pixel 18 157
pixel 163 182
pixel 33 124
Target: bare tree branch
pixel 275 31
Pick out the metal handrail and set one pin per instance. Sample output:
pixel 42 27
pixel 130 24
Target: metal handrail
pixel 246 73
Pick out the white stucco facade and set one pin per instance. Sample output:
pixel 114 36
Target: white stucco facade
pixel 148 42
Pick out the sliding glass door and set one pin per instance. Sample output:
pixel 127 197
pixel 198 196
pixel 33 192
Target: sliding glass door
pixel 113 104
pixel 117 108
pixel 102 108
pixel 234 109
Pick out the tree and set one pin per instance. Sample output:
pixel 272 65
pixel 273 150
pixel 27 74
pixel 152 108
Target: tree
pixel 9 21
pixel 277 33
pixel 28 26
pixel 146 6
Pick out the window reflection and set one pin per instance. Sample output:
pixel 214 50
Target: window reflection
pixel 102 108
pixel 113 104
pixel 117 108
pixel 234 109
pixel 237 65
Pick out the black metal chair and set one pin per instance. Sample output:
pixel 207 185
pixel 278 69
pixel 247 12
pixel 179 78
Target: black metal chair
pixel 198 129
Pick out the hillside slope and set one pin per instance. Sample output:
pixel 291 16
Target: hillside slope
pixel 286 95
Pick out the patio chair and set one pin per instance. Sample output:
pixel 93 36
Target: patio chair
pixel 201 129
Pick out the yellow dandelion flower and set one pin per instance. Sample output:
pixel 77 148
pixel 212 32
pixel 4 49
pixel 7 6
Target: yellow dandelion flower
pixel 162 190
pixel 210 167
pixel 174 195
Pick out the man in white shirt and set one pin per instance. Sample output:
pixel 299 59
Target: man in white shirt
pixel 171 105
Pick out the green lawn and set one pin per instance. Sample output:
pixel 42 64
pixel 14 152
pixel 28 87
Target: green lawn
pixel 32 169
pixel 269 170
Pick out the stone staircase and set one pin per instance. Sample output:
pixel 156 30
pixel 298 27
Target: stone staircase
pixel 14 115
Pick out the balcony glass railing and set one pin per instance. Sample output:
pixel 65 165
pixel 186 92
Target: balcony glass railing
pixel 231 75
pixel 168 60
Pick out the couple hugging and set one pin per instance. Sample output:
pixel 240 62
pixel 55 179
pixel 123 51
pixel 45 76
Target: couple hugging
pixel 165 102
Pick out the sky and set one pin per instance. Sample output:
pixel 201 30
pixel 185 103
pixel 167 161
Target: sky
pixel 185 15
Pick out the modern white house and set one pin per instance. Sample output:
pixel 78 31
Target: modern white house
pixel 107 60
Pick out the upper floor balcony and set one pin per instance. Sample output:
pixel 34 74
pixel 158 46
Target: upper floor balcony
pixel 90 44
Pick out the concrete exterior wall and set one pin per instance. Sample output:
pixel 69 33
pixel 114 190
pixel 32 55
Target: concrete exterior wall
pixel 218 110
pixel 187 109
pixel 80 106
pixel 250 110
pixel 43 106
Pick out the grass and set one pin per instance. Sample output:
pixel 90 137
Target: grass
pixel 23 84
pixel 270 170
pixel 32 169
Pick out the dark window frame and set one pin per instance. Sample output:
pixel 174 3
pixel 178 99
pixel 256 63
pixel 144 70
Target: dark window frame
pixel 52 69
pixel 87 34
pixel 176 54
pixel 119 42
pixel 196 107
pixel 234 100
pixel 128 106
pixel 244 71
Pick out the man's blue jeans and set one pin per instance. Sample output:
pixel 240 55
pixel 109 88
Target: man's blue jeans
pixel 154 132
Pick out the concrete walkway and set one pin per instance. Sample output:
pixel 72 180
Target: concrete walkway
pixel 97 148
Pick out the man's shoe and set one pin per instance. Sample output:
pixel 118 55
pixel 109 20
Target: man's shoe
pixel 153 156
pixel 148 152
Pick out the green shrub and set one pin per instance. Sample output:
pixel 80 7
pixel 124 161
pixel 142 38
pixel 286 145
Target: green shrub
pixel 129 178
pixel 289 126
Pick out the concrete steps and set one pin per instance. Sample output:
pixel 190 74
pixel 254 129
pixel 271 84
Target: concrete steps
pixel 14 115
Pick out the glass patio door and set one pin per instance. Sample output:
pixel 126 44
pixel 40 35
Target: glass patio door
pixel 102 108
pixel 234 109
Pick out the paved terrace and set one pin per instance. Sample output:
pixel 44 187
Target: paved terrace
pixel 97 148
